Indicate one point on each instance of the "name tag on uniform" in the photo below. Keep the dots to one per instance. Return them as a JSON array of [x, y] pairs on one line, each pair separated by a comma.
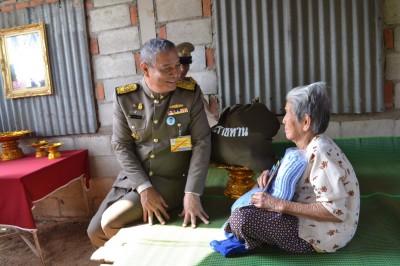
[[182, 143], [136, 114]]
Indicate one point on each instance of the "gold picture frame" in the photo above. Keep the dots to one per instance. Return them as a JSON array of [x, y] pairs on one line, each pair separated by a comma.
[[24, 61]]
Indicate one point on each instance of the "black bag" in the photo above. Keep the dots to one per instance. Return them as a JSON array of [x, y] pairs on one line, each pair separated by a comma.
[[243, 137]]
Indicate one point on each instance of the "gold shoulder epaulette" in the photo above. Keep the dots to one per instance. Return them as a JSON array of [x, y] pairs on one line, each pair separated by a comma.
[[187, 85], [127, 88]]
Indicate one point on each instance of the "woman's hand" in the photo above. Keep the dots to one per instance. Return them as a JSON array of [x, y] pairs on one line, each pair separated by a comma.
[[264, 200], [262, 180], [315, 211]]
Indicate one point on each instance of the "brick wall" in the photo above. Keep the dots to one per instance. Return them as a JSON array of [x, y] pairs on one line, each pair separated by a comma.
[[391, 34], [117, 30], [11, 5]]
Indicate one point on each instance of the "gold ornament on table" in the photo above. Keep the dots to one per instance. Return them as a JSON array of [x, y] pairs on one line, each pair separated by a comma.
[[11, 151], [53, 150], [240, 180], [38, 146]]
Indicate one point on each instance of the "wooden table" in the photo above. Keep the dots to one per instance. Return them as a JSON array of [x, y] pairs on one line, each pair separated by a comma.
[[30, 179]]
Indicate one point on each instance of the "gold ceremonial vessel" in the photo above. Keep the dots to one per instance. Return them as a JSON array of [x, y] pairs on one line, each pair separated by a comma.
[[53, 150], [240, 180], [38, 146], [11, 151]]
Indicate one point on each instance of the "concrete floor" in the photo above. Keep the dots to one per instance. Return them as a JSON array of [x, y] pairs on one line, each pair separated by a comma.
[[62, 243]]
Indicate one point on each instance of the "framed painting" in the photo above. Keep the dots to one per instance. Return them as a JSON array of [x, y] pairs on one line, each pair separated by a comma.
[[25, 61]]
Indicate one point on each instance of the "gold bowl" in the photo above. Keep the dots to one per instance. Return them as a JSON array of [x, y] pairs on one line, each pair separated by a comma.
[[241, 180], [53, 150], [38, 146], [11, 151]]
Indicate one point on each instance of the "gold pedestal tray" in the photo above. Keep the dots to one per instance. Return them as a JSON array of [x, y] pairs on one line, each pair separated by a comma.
[[38, 146], [53, 150], [11, 151], [240, 180]]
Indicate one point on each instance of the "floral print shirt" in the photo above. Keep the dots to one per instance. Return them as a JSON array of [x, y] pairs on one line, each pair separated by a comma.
[[329, 179]]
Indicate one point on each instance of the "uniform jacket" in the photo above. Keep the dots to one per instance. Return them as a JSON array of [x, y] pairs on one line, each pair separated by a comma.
[[141, 136]]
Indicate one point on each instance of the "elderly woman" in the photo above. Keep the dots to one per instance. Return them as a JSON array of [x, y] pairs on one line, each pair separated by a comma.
[[324, 213]]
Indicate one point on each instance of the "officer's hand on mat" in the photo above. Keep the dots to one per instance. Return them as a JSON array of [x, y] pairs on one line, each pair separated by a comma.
[[191, 209], [153, 203]]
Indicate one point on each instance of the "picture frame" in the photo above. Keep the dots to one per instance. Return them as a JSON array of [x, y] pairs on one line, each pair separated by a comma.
[[24, 61]]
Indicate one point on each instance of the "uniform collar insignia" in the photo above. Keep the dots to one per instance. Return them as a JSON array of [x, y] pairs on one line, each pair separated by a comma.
[[152, 94], [158, 96]]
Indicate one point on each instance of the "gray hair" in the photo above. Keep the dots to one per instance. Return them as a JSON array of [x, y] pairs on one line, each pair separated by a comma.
[[152, 48], [312, 100]]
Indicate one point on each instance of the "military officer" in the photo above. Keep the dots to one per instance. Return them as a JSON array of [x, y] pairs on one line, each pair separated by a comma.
[[161, 140], [211, 107], [185, 50]]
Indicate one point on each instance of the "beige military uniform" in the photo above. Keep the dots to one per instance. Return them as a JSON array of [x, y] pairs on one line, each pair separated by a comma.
[[144, 125]]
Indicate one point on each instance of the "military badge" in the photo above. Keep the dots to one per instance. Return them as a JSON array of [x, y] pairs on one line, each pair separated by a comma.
[[135, 135], [181, 143], [170, 120], [178, 111], [176, 106]]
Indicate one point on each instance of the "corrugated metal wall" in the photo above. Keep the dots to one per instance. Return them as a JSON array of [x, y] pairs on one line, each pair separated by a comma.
[[266, 47], [71, 110]]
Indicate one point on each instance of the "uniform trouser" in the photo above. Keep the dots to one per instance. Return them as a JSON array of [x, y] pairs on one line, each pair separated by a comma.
[[122, 207]]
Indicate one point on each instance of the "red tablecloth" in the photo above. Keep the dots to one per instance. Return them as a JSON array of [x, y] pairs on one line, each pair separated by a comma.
[[29, 179]]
